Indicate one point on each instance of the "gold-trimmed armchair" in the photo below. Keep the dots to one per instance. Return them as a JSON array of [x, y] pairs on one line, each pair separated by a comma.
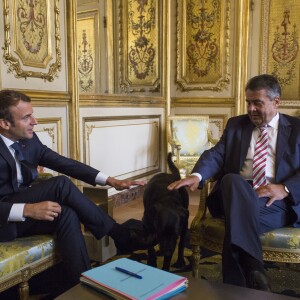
[[188, 137], [25, 257], [279, 245]]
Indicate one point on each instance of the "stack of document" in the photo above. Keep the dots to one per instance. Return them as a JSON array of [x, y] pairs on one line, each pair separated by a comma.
[[127, 279]]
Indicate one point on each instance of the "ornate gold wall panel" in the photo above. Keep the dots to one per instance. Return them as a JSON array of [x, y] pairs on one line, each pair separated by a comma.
[[140, 45], [32, 32], [27, 23], [203, 44], [86, 50], [280, 44]]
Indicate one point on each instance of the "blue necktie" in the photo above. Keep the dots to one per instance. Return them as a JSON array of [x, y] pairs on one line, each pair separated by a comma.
[[29, 172]]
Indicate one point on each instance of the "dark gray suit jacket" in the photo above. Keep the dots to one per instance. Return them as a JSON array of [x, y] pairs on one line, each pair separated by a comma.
[[39, 155], [230, 152]]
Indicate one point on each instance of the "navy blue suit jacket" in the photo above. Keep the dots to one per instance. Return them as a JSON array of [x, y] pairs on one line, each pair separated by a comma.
[[230, 152], [39, 155]]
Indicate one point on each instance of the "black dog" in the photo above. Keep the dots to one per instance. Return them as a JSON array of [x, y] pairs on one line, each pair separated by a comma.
[[166, 216]]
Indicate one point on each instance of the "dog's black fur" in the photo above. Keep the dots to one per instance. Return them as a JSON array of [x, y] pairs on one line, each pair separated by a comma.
[[166, 215]]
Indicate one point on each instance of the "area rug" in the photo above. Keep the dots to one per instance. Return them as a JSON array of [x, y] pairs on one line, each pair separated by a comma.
[[285, 278]]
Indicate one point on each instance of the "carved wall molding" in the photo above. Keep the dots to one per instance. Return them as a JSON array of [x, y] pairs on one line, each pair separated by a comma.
[[133, 142], [49, 131], [33, 43]]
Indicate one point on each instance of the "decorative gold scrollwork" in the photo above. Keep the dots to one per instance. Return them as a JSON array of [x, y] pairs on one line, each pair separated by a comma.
[[85, 65], [139, 47], [285, 49], [203, 31], [13, 63]]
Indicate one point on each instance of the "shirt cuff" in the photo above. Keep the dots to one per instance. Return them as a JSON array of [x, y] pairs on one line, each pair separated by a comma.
[[101, 178], [198, 175], [16, 213]]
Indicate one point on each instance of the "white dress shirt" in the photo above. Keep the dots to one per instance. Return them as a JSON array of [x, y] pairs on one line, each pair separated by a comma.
[[16, 212], [17, 209], [247, 170]]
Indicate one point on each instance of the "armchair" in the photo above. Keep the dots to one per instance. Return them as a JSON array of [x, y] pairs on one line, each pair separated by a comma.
[[26, 257], [279, 245], [188, 137]]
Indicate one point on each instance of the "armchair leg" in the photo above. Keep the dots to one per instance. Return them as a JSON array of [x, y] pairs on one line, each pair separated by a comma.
[[195, 260], [24, 290]]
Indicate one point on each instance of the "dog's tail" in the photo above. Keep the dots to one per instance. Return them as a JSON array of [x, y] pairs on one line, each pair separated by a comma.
[[174, 170]]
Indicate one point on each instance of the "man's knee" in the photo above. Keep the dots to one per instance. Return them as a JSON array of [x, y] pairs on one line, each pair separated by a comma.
[[63, 184], [230, 179], [68, 217], [62, 180]]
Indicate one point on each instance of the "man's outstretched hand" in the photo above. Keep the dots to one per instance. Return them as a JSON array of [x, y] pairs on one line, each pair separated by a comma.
[[191, 181], [123, 184]]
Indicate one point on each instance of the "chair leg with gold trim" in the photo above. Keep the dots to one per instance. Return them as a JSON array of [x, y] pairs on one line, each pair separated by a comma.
[[24, 290], [195, 260]]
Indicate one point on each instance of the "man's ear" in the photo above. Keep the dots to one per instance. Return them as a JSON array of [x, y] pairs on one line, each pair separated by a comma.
[[276, 101], [4, 124]]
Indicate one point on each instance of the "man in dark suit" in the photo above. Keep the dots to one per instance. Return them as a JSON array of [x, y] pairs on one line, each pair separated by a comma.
[[251, 210], [55, 205]]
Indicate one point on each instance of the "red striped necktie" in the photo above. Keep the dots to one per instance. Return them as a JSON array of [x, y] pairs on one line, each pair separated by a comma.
[[260, 158]]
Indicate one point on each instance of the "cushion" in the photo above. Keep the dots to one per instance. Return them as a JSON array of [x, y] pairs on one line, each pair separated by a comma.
[[23, 252], [283, 238]]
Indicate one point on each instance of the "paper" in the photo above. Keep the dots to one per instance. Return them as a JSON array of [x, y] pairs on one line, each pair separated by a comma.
[[155, 283]]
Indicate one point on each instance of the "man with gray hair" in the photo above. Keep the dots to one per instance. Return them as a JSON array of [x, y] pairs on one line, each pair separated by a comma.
[[257, 164]]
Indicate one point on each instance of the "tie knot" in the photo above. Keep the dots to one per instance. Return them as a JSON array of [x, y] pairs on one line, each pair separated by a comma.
[[16, 146], [263, 129]]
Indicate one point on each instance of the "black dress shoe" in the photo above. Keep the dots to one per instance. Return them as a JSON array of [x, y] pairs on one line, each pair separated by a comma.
[[258, 280], [131, 239], [141, 239]]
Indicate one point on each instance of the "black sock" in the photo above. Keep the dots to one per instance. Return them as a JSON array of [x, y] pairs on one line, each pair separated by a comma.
[[119, 234]]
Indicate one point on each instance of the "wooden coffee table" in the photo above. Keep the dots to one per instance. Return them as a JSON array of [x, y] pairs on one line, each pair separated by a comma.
[[198, 289]]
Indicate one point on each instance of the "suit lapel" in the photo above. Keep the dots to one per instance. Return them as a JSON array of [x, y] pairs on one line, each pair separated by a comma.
[[284, 131], [6, 155], [245, 142]]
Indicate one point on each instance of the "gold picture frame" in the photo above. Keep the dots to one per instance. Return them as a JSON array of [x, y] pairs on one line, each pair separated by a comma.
[[32, 45]]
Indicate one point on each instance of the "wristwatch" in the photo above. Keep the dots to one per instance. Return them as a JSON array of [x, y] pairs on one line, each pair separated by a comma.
[[286, 189]]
